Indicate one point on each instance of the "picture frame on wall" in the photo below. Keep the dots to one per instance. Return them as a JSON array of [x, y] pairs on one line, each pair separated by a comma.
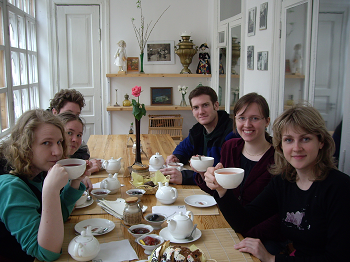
[[161, 96], [132, 64], [263, 60], [263, 16], [251, 21], [250, 57], [159, 53]]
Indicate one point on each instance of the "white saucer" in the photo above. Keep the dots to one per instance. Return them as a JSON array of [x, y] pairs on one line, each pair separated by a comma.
[[167, 236], [96, 225], [200, 201], [86, 204]]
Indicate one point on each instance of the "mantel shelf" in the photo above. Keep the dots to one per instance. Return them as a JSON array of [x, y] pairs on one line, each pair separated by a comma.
[[154, 108], [157, 75]]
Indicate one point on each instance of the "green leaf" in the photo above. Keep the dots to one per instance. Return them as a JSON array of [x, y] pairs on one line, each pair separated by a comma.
[[138, 110]]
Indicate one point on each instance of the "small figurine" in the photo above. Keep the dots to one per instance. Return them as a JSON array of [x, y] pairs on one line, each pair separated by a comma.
[[120, 56], [297, 60], [204, 63]]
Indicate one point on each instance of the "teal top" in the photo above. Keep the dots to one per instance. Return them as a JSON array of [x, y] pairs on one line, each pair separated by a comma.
[[18, 211]]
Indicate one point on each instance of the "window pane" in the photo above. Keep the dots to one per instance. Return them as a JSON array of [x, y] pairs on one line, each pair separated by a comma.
[[17, 104], [34, 97], [20, 4], [32, 66], [12, 2], [25, 100], [2, 69], [15, 69], [23, 69], [21, 32], [31, 36], [4, 112], [13, 29], [2, 29]]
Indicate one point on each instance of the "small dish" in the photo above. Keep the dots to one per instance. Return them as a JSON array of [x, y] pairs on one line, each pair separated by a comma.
[[150, 248], [100, 193], [136, 192], [140, 226], [157, 223], [165, 233], [96, 225], [200, 201], [85, 204]]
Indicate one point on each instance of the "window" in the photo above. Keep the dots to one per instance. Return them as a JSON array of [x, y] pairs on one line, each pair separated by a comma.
[[18, 61]]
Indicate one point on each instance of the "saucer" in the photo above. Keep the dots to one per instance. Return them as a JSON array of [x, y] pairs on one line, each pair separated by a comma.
[[96, 225], [167, 236], [86, 204], [200, 201]]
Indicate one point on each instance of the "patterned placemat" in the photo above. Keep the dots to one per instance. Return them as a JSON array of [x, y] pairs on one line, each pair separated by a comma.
[[183, 193]]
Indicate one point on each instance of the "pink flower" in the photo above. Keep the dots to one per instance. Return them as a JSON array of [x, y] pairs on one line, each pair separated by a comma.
[[136, 91]]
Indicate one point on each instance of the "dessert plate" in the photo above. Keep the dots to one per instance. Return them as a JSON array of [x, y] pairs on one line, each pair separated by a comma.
[[200, 201], [86, 204], [96, 224], [164, 233]]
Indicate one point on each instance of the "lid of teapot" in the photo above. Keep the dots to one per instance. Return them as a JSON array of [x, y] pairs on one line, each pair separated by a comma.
[[180, 216]]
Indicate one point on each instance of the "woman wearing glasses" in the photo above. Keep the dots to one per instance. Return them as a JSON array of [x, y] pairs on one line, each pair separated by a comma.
[[254, 153]]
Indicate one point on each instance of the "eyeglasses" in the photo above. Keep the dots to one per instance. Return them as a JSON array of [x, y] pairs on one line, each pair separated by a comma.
[[253, 119]]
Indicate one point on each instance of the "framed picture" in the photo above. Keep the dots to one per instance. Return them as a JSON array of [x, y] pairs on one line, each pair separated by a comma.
[[263, 16], [161, 96], [263, 60], [132, 64], [250, 57], [251, 21], [159, 53]]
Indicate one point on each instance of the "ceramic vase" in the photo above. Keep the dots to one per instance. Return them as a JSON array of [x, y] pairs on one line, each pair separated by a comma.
[[138, 141]]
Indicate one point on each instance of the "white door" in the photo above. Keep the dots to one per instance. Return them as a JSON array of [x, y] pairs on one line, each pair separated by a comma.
[[328, 69], [79, 63]]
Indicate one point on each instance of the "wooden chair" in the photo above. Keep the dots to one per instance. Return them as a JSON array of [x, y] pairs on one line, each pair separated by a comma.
[[166, 124]]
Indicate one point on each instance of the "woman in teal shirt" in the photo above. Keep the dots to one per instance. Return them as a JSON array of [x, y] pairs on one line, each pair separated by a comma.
[[32, 212]]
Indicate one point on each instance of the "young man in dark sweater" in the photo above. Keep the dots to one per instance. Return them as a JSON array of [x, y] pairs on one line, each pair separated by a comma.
[[206, 137]]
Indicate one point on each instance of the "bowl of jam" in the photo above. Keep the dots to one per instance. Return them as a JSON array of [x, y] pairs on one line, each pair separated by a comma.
[[155, 220], [140, 230]]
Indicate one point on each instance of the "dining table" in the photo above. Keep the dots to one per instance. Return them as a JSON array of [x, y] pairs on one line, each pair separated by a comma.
[[217, 238]]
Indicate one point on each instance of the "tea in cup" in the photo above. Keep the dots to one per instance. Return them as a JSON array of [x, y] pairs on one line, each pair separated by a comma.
[[229, 178], [75, 167]]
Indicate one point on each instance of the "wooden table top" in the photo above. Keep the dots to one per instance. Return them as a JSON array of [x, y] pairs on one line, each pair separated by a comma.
[[107, 146]]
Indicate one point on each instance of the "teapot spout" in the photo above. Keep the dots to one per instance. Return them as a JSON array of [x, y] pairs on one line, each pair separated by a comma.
[[120, 158], [160, 184]]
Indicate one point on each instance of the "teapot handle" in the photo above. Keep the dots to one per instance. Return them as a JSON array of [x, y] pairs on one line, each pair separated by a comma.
[[189, 214], [78, 249], [175, 191]]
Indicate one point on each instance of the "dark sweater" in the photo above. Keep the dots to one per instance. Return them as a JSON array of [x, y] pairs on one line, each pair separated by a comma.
[[316, 220]]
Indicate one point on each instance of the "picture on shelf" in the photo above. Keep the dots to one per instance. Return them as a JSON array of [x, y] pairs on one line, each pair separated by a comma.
[[161, 96], [251, 21], [263, 61], [250, 57], [132, 64], [263, 16], [160, 52]]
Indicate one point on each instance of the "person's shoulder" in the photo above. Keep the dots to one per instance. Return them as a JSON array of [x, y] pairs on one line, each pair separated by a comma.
[[8, 180], [336, 176], [232, 142]]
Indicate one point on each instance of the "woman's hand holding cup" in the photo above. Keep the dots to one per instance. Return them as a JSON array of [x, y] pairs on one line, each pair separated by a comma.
[[209, 178]]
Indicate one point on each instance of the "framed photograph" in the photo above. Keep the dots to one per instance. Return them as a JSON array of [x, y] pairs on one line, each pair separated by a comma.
[[250, 57], [251, 21], [159, 53], [161, 96], [132, 64], [263, 16], [263, 60]]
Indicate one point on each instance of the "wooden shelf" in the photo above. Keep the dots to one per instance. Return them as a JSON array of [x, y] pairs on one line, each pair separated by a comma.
[[154, 108], [157, 75], [294, 76]]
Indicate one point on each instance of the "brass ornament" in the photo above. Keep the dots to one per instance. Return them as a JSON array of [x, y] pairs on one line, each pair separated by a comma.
[[185, 49]]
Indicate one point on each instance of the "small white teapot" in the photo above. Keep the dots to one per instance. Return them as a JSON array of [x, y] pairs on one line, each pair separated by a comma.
[[157, 161], [111, 183], [112, 165], [166, 194], [181, 225], [84, 247]]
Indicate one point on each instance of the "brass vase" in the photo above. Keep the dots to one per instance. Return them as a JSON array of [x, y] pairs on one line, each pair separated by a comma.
[[236, 52], [185, 49]]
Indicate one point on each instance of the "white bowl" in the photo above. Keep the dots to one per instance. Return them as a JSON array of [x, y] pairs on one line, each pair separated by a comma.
[[82, 199], [178, 166], [150, 248], [75, 167], [203, 164], [100, 193], [150, 230], [229, 177], [136, 192], [155, 224]]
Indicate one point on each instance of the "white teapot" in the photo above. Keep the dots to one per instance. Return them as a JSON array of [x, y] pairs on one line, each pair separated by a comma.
[[181, 225], [157, 161], [84, 247], [111, 183], [166, 194], [112, 165]]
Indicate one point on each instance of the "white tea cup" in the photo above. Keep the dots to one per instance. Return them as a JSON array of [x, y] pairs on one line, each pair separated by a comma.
[[229, 178]]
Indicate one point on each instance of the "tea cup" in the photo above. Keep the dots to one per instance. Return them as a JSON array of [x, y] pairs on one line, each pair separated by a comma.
[[178, 166], [229, 178], [201, 164], [75, 167]]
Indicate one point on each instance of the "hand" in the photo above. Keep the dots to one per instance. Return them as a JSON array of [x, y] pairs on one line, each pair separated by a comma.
[[96, 165], [172, 159], [56, 178], [87, 182], [256, 248], [75, 183], [175, 175], [209, 178]]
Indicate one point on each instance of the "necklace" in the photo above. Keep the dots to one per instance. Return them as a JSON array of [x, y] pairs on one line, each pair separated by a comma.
[[257, 154]]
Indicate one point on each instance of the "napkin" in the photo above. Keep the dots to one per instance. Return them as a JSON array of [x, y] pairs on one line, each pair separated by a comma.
[[116, 251], [116, 208], [168, 210]]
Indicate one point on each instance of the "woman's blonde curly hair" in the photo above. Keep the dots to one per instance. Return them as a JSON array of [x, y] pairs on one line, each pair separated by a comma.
[[17, 148]]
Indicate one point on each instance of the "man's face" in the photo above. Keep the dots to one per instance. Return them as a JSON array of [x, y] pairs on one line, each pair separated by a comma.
[[69, 106], [203, 109]]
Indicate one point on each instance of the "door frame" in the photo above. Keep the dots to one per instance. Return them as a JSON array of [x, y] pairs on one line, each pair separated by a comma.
[[104, 44]]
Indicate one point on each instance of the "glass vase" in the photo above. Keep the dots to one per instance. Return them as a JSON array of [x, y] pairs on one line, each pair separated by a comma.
[[183, 101], [138, 142]]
